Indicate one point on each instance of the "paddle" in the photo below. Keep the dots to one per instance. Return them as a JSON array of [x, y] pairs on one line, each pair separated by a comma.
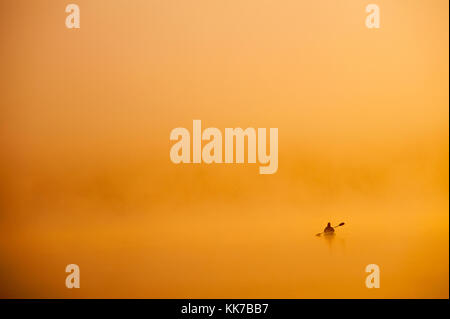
[[341, 224]]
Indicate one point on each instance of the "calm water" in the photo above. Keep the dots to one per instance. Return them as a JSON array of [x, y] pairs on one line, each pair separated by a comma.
[[268, 253]]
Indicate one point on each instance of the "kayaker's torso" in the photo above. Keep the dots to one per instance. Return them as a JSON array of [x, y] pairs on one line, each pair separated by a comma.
[[328, 229]]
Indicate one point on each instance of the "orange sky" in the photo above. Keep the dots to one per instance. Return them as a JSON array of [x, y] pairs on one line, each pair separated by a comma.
[[86, 178]]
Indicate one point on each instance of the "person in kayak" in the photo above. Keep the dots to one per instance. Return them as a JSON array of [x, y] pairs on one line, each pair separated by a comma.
[[328, 229]]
